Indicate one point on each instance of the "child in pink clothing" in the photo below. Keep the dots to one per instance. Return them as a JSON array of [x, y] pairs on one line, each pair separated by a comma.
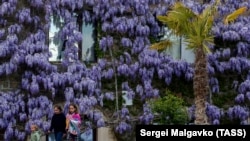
[[76, 117], [73, 121]]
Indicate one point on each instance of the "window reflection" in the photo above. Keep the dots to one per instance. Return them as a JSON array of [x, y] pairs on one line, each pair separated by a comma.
[[87, 43], [178, 49], [186, 54], [57, 46]]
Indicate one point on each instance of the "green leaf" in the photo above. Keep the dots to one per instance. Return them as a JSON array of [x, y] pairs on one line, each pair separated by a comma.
[[162, 45]]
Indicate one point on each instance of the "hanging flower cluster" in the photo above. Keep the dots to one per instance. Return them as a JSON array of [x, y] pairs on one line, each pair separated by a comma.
[[124, 123], [230, 56], [15, 110], [126, 26], [214, 113]]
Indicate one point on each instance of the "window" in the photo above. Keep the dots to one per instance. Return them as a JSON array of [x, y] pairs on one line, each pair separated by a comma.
[[186, 54], [88, 43], [178, 50], [56, 46], [127, 101]]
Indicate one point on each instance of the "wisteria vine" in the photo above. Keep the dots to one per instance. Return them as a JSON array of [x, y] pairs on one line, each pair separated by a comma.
[[126, 26]]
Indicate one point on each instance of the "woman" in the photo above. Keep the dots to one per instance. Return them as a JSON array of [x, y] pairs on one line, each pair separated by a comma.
[[58, 123]]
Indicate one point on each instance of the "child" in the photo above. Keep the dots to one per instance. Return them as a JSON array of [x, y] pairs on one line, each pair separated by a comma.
[[58, 123], [35, 134], [73, 121]]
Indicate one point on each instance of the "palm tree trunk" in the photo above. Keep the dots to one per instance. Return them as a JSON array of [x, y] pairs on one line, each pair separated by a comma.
[[201, 87]]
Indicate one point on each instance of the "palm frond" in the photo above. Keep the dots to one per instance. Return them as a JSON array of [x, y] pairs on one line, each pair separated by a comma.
[[178, 18], [163, 19], [193, 42], [199, 32], [234, 15], [206, 48], [207, 17], [196, 29], [210, 10], [162, 45]]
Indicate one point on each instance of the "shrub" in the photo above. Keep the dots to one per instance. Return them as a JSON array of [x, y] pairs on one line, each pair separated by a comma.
[[169, 109]]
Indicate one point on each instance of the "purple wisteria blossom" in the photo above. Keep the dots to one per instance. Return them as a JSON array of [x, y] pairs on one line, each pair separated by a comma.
[[122, 127], [214, 113], [147, 116], [238, 112], [126, 30]]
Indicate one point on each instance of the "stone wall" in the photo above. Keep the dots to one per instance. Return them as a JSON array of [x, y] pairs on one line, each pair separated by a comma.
[[9, 82], [105, 134]]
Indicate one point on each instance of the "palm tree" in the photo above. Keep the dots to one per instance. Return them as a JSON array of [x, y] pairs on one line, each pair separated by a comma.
[[196, 30]]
